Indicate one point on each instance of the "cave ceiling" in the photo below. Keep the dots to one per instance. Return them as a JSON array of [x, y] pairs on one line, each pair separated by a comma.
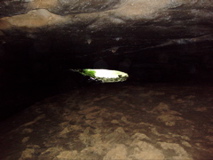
[[98, 28]]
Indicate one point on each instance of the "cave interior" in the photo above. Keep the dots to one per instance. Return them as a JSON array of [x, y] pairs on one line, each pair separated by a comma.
[[166, 48]]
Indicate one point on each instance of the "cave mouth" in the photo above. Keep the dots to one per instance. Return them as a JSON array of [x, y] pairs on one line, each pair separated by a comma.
[[103, 75]]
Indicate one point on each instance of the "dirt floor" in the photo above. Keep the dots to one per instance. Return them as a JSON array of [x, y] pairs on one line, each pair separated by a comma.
[[114, 122]]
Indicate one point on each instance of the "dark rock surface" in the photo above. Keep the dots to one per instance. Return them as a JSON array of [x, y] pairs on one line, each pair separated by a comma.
[[114, 121], [62, 30]]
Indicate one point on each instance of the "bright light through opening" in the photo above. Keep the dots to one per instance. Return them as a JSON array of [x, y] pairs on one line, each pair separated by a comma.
[[107, 73], [104, 75]]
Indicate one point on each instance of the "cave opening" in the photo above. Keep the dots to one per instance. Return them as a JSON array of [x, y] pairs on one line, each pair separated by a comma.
[[103, 75]]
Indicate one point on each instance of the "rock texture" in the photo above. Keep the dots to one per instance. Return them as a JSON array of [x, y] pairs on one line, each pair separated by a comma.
[[108, 122], [102, 28], [100, 25], [78, 33]]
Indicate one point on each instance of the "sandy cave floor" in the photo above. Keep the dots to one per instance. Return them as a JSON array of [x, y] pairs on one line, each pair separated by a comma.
[[114, 122]]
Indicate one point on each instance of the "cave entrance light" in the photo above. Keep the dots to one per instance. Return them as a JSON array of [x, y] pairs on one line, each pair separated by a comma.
[[103, 75]]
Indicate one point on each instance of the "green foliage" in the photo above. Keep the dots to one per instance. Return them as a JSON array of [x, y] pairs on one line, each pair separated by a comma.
[[88, 72]]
